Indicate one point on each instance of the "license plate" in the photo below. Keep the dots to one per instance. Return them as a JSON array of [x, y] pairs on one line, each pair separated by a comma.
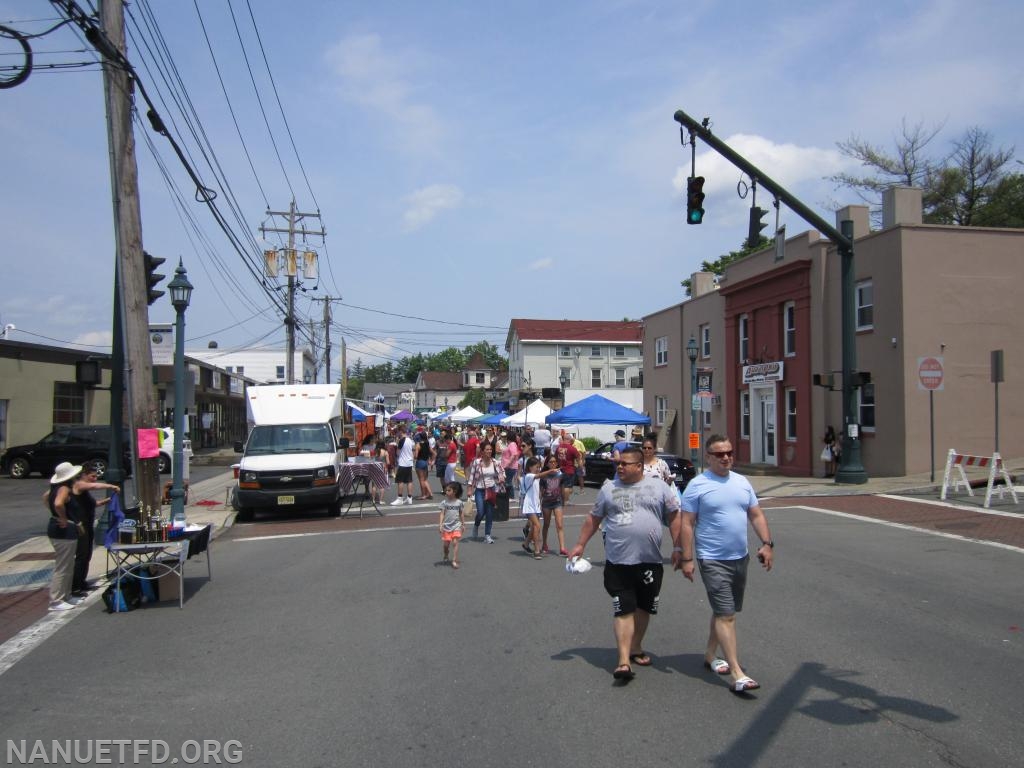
[[285, 500]]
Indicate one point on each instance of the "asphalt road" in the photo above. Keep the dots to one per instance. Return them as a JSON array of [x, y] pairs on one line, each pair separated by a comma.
[[22, 514], [874, 645]]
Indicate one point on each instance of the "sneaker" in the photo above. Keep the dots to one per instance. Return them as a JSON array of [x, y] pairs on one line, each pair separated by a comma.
[[60, 605], [397, 502], [545, 550], [526, 532], [74, 600], [488, 540], [408, 499]]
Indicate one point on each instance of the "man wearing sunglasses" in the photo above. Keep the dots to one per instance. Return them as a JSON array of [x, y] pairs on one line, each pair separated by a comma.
[[717, 505], [634, 510]]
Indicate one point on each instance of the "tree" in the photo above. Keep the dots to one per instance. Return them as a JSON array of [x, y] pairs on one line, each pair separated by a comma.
[[717, 267], [956, 188], [356, 370], [492, 357], [475, 398], [450, 359]]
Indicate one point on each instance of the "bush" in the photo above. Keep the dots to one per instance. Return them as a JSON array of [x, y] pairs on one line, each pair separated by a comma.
[[590, 443]]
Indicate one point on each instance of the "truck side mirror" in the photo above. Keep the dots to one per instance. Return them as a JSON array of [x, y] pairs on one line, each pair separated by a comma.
[[239, 446], [343, 443]]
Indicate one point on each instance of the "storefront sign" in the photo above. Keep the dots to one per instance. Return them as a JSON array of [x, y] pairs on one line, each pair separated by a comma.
[[761, 372]]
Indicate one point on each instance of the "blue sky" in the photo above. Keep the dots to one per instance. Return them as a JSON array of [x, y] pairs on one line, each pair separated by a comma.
[[474, 162]]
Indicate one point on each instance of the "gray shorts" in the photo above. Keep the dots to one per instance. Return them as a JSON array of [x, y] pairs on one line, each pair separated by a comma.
[[725, 582]]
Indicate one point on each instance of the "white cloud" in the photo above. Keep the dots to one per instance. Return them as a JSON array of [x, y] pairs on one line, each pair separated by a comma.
[[539, 264], [380, 80], [787, 164], [426, 203]]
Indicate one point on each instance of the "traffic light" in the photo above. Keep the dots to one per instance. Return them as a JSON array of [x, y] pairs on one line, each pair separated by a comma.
[[756, 225], [694, 200], [153, 277]]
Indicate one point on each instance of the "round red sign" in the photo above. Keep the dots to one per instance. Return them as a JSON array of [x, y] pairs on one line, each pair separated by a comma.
[[929, 373]]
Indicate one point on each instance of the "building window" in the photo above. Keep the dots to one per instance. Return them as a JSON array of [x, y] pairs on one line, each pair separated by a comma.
[[280, 371], [68, 404], [240, 370], [789, 328], [480, 378], [866, 407], [865, 306], [595, 378], [620, 377], [564, 351], [661, 350], [620, 351], [791, 413], [595, 351], [660, 407], [705, 341], [744, 338], [745, 415], [706, 419]]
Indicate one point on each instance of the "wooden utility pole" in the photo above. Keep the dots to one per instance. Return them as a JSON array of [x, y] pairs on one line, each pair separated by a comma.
[[131, 270], [327, 338], [293, 218]]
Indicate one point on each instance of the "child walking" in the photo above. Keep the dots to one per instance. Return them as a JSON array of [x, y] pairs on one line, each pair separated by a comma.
[[531, 504], [450, 523]]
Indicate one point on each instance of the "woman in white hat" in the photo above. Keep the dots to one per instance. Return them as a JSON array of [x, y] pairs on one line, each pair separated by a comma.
[[63, 530]]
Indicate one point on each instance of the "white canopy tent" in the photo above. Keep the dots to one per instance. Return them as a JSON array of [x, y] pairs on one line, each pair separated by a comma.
[[465, 414], [533, 414]]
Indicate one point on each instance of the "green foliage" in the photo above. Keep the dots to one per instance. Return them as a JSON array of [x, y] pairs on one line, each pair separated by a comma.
[[717, 267], [590, 443], [969, 186], [475, 398]]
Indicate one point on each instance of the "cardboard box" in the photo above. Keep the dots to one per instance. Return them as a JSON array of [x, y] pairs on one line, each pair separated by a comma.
[[167, 587]]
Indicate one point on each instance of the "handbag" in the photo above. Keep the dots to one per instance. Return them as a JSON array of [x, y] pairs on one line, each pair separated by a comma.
[[491, 495]]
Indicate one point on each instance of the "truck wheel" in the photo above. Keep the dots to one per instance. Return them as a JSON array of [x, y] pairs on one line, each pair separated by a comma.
[[19, 469], [245, 515], [100, 465], [334, 510]]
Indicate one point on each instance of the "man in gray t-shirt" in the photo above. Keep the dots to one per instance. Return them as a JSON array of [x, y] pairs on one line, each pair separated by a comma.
[[634, 510]]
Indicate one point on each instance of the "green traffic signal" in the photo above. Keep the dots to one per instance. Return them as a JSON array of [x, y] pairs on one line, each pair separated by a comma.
[[694, 199], [153, 277], [756, 225]]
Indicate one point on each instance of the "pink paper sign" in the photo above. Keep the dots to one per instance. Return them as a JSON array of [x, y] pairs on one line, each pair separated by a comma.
[[149, 443]]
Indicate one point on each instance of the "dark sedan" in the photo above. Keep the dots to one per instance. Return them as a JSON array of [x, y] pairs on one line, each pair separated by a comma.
[[600, 467]]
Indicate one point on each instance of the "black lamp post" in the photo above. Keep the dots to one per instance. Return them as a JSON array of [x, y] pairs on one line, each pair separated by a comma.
[[181, 293], [691, 354], [563, 379]]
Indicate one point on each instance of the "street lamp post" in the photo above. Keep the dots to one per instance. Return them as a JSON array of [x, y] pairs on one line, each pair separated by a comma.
[[564, 381], [181, 293], [691, 354]]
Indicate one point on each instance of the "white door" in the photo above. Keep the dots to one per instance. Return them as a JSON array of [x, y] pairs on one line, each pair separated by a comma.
[[762, 437]]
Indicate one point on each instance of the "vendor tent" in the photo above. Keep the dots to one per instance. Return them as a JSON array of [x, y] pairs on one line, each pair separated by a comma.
[[533, 414], [597, 410], [464, 414], [402, 416], [493, 418], [358, 414]]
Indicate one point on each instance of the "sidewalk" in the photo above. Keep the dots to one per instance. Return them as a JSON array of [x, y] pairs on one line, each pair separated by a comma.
[[25, 568]]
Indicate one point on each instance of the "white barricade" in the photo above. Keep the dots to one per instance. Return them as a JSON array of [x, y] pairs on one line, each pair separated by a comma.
[[998, 478]]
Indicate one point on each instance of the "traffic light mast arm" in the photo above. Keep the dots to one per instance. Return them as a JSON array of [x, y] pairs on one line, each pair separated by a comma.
[[751, 170], [851, 470]]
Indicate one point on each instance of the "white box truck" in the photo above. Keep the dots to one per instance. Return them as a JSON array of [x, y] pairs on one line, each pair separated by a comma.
[[292, 455]]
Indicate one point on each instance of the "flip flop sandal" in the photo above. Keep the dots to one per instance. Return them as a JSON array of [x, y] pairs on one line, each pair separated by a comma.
[[744, 684], [641, 659], [623, 672], [718, 666]]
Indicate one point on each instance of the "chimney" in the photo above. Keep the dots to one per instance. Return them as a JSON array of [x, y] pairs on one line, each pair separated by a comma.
[[701, 283], [859, 215], [901, 205]]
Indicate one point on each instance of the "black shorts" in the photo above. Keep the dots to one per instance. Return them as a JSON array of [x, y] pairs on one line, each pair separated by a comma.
[[403, 475], [633, 586]]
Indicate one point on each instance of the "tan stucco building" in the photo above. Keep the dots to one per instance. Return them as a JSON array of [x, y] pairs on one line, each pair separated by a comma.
[[771, 323]]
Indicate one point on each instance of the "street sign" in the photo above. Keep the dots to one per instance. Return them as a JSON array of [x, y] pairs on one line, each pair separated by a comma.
[[929, 374], [695, 441]]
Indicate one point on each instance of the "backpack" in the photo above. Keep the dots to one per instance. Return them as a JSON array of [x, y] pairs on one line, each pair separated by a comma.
[[131, 595]]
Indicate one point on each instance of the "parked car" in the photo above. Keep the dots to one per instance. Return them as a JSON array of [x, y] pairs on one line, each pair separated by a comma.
[[79, 445], [75, 444], [600, 467]]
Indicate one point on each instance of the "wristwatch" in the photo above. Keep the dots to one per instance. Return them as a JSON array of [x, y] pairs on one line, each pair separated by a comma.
[[769, 544]]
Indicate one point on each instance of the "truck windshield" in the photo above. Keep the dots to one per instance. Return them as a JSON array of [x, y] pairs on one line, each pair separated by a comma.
[[290, 438]]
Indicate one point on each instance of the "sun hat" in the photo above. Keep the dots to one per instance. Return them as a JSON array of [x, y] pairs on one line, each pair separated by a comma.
[[64, 472]]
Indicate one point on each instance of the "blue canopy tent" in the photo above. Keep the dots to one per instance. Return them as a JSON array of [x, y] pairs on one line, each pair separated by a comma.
[[403, 416], [596, 410]]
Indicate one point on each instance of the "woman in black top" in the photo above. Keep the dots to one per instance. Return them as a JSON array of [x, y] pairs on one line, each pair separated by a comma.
[[424, 460]]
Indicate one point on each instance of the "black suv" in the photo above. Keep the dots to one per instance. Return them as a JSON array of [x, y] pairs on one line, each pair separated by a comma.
[[75, 444], [600, 467]]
